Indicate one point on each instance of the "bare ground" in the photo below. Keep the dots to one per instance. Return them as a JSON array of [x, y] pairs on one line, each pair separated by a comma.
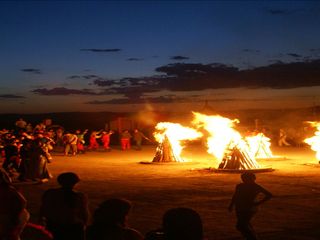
[[293, 213]]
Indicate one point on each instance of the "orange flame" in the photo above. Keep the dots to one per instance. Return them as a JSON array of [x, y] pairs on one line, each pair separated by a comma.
[[259, 145], [314, 141], [176, 134], [223, 137]]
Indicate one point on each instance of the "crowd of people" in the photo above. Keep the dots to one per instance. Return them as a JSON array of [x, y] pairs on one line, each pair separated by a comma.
[[27, 150], [64, 214]]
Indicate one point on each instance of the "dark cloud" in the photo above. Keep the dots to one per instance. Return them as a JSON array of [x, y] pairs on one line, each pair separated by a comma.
[[103, 83], [31, 70], [295, 55], [197, 77], [101, 50], [179, 58], [247, 50], [10, 96], [134, 59], [61, 91], [159, 99], [278, 11]]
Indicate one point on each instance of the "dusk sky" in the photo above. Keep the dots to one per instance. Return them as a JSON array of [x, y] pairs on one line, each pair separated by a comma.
[[63, 56]]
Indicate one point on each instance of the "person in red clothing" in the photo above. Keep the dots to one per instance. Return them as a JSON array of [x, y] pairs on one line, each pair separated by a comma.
[[13, 213], [106, 140], [125, 140], [93, 144]]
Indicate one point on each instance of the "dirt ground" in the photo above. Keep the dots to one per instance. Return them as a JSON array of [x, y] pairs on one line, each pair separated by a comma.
[[293, 213]]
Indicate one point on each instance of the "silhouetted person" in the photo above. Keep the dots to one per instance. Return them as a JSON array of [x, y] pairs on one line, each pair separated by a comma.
[[64, 210], [13, 213], [245, 201], [109, 222], [179, 224]]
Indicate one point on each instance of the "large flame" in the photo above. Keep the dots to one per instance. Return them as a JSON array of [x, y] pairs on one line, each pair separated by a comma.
[[176, 135], [259, 146], [314, 141], [223, 138], [222, 135]]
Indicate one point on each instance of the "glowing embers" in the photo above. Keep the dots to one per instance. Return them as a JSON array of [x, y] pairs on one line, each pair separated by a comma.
[[225, 143], [171, 137], [314, 141]]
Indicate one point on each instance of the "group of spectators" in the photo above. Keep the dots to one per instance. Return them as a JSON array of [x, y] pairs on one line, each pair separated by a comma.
[[64, 214]]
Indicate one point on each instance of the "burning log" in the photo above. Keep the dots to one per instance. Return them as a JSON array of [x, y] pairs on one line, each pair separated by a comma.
[[237, 159], [165, 153], [171, 137]]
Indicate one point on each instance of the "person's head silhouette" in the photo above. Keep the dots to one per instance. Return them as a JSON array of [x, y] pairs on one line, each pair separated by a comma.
[[182, 224]]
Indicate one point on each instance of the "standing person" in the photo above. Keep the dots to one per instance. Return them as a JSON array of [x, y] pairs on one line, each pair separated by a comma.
[[110, 222], [106, 139], [13, 213], [64, 210], [138, 137], [125, 140], [245, 201], [70, 143], [38, 169]]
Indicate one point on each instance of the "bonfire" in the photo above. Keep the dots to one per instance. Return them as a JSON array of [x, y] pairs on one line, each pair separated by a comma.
[[314, 141], [171, 137], [226, 143]]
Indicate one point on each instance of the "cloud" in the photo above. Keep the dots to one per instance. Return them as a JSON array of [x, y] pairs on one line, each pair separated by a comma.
[[134, 59], [179, 58], [295, 55], [197, 77], [101, 50], [159, 99], [247, 50], [278, 11], [61, 91], [31, 70], [188, 77], [10, 96]]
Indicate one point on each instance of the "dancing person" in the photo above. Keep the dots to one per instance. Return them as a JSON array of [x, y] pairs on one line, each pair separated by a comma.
[[65, 211], [138, 137], [106, 139], [109, 222], [125, 140], [283, 138], [245, 201], [93, 144], [70, 143]]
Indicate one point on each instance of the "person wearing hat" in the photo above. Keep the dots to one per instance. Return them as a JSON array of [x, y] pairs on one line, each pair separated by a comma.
[[65, 211], [13, 213]]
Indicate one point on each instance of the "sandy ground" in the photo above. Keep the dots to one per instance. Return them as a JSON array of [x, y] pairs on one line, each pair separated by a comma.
[[293, 213]]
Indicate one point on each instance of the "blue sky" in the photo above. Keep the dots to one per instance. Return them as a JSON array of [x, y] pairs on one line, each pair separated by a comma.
[[78, 55]]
